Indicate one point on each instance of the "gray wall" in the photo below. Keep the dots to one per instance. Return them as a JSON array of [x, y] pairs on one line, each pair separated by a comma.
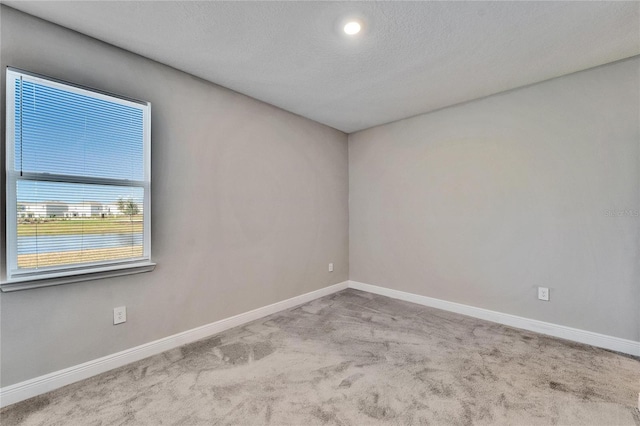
[[249, 207], [482, 202]]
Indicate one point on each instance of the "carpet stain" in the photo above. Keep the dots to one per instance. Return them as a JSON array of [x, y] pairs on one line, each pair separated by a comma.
[[243, 353], [558, 386]]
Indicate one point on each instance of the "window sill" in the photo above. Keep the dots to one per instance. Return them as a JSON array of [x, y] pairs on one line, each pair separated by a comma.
[[29, 283]]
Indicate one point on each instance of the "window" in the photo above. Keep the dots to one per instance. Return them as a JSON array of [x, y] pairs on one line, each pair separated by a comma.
[[78, 181]]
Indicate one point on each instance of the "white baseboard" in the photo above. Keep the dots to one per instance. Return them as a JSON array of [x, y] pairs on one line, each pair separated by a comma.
[[48, 382], [39, 385], [582, 336]]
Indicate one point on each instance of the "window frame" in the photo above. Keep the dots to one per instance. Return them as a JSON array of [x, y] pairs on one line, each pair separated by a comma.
[[53, 275]]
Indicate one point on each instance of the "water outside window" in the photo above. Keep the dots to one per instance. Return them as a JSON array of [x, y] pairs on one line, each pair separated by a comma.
[[67, 223]]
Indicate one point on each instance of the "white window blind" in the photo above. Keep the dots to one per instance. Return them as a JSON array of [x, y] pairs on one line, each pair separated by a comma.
[[78, 179]]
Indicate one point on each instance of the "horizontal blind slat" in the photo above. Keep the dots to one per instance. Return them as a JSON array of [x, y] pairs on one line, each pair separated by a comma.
[[73, 134]]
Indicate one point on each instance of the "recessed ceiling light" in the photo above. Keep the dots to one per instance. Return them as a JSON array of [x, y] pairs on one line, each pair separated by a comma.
[[352, 27]]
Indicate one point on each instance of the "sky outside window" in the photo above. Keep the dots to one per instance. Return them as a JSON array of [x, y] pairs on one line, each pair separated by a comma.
[[72, 134]]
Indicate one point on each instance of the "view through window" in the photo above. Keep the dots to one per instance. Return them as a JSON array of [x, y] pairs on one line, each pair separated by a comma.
[[78, 179]]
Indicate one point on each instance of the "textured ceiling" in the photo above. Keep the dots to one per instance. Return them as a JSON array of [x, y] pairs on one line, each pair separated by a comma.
[[411, 58]]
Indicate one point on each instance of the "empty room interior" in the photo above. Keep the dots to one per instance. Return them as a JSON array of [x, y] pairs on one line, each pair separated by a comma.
[[320, 213]]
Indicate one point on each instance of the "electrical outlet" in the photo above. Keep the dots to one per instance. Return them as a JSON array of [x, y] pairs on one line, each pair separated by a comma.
[[331, 267], [543, 293], [119, 315]]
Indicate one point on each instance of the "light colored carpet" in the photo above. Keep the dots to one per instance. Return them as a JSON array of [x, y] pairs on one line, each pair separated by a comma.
[[354, 358]]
